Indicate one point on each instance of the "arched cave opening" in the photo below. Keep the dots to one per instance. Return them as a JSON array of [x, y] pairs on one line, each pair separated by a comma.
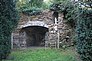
[[35, 35]]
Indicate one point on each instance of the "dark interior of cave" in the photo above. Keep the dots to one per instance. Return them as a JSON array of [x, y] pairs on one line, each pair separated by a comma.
[[35, 35]]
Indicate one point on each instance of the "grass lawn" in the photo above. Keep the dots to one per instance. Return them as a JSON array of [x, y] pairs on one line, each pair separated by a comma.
[[43, 55]]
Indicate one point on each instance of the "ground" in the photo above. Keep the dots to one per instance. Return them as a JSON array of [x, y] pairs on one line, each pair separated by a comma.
[[41, 54]]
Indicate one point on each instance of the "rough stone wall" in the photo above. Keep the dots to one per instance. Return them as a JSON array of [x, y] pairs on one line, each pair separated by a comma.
[[64, 29]]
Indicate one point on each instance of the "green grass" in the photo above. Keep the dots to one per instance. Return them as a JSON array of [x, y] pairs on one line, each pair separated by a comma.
[[43, 55]]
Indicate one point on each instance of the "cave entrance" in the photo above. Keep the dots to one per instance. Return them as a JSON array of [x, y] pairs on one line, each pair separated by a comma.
[[33, 34]]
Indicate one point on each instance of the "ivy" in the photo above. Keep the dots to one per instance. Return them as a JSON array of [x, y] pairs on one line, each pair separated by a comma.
[[84, 34], [8, 21]]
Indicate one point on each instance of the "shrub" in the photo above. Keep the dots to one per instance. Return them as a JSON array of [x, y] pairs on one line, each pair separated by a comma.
[[8, 21], [84, 34], [29, 4], [32, 11]]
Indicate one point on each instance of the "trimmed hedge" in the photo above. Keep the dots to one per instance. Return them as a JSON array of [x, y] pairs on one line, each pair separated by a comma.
[[84, 34], [8, 21]]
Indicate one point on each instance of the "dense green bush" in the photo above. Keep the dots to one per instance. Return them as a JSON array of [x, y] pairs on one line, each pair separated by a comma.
[[84, 34], [32, 11], [8, 21]]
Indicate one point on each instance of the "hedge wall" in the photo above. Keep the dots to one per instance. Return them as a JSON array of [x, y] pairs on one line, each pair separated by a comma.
[[8, 21], [84, 34]]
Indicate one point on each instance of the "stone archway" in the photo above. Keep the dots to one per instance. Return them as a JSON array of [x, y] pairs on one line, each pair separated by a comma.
[[33, 33]]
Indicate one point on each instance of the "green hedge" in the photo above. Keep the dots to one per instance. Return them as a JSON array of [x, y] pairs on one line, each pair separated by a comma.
[[8, 21], [84, 34]]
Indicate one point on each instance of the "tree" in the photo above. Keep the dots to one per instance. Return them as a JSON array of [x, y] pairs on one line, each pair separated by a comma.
[[8, 21]]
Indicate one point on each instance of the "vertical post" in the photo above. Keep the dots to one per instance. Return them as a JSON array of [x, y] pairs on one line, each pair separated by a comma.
[[24, 39], [11, 40], [46, 39], [55, 20], [55, 27], [58, 40]]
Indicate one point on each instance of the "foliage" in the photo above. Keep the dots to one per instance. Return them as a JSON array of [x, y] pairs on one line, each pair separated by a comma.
[[84, 34], [44, 55], [69, 10], [36, 3], [28, 4], [30, 7], [32, 11], [46, 5], [83, 17], [55, 7], [87, 3], [80, 13], [56, 1], [8, 21]]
